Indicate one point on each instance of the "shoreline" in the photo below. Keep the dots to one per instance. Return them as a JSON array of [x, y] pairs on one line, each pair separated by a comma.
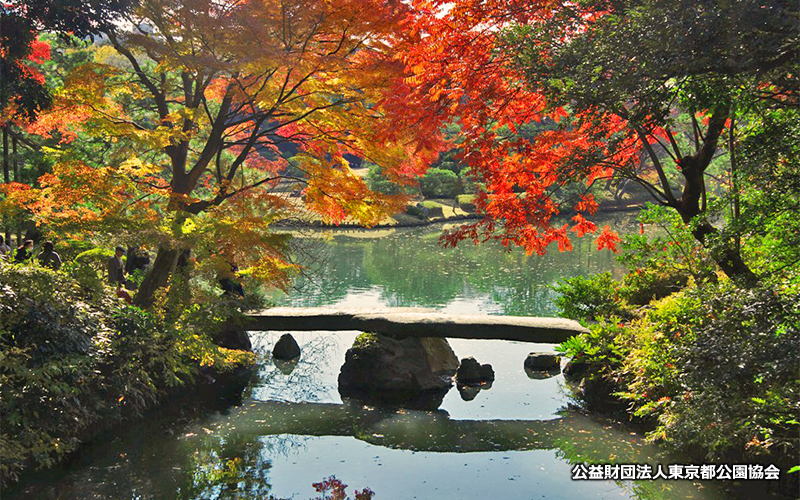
[[319, 225]]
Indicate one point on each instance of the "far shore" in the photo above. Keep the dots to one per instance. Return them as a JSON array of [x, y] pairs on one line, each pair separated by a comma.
[[407, 221]]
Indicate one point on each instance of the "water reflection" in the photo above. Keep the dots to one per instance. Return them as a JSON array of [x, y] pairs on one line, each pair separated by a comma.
[[300, 379], [541, 374], [409, 268]]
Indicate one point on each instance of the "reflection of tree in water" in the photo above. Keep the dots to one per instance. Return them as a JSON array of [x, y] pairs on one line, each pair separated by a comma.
[[330, 269], [414, 270], [609, 444], [233, 468], [305, 381], [286, 444]]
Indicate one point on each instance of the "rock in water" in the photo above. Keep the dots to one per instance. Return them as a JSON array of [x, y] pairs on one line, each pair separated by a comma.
[[542, 361], [411, 372], [286, 348], [470, 372]]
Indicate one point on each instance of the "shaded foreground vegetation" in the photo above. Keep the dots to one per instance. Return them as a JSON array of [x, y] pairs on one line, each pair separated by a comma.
[[709, 366], [76, 360]]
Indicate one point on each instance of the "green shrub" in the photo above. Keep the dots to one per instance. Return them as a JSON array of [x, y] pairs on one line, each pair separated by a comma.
[[95, 258], [417, 211], [468, 184], [432, 208], [662, 262], [740, 377], [602, 350], [589, 298], [466, 202], [426, 209], [465, 198], [377, 181], [651, 370], [439, 183], [643, 285], [713, 368]]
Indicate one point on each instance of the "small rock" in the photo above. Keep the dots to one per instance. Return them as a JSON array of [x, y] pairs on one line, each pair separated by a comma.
[[470, 372], [286, 348], [542, 361]]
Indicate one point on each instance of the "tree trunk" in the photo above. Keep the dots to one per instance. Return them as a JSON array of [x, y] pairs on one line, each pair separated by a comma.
[[6, 178], [167, 258], [15, 162], [158, 276], [692, 202], [728, 258]]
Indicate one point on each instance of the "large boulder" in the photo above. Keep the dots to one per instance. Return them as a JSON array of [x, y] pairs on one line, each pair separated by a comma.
[[542, 361], [232, 338], [470, 372], [411, 372], [286, 348]]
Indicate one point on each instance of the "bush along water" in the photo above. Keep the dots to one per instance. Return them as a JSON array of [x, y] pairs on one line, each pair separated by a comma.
[[75, 360], [709, 366]]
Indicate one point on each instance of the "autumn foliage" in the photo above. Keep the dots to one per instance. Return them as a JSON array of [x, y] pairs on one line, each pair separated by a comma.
[[204, 115], [618, 92], [460, 72], [211, 109]]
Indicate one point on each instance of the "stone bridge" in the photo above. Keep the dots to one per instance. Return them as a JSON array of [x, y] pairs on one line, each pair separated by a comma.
[[416, 322]]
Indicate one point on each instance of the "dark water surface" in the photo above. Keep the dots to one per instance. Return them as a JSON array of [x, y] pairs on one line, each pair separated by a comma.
[[516, 440]]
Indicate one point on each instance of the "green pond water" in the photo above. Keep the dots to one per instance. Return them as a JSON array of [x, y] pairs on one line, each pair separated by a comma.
[[518, 439]]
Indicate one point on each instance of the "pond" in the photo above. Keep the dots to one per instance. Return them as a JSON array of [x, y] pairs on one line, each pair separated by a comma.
[[518, 439]]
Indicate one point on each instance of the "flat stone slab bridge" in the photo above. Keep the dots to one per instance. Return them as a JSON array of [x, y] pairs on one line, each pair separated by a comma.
[[417, 322]]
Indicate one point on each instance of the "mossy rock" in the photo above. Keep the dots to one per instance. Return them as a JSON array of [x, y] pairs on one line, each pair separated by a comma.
[[366, 340], [410, 372]]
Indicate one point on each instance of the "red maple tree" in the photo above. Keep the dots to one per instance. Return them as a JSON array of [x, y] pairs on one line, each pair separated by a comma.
[[494, 67]]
